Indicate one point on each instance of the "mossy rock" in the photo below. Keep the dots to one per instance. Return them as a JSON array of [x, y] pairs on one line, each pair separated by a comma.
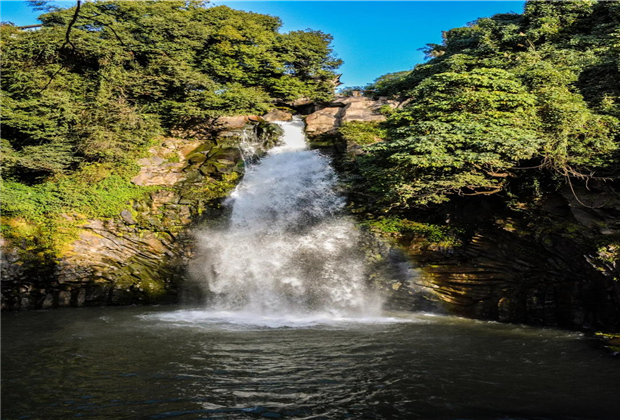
[[321, 144], [194, 176], [205, 147], [154, 222], [207, 169], [224, 166], [196, 158], [228, 153]]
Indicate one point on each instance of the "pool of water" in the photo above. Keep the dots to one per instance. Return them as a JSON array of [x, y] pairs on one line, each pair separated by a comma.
[[175, 363]]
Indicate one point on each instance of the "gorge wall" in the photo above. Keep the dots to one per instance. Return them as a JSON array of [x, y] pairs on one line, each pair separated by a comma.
[[546, 267]]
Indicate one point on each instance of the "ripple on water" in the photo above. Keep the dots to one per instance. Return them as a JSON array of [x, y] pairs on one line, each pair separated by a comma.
[[184, 363]]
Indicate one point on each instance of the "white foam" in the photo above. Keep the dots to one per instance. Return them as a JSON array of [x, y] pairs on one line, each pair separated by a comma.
[[246, 319]]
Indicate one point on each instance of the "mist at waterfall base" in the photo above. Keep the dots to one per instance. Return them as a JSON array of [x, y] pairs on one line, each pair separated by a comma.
[[287, 254], [292, 331]]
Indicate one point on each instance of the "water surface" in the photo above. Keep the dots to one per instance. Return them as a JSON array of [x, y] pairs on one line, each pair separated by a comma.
[[175, 363]]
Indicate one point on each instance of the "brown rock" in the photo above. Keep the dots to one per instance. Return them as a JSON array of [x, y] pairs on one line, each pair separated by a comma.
[[238, 121], [278, 115], [345, 110], [164, 197], [362, 109], [323, 121], [301, 102]]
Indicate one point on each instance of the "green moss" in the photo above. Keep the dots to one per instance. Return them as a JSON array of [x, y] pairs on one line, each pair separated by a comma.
[[607, 336], [399, 227], [98, 191], [609, 252], [46, 216], [151, 288], [41, 242], [212, 189], [611, 341]]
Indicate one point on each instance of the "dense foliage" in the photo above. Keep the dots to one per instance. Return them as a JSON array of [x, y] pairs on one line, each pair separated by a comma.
[[85, 95], [362, 132], [129, 69], [508, 101]]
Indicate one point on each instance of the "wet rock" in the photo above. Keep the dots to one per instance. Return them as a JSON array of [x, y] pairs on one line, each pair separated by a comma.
[[79, 297], [513, 275], [48, 301], [391, 272], [64, 298], [194, 176], [207, 169], [25, 303]]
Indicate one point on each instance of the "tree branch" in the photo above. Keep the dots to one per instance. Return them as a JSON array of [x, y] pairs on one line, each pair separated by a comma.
[[73, 20], [67, 42], [490, 192]]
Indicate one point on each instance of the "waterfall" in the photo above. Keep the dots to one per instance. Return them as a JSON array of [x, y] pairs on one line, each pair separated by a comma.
[[287, 248]]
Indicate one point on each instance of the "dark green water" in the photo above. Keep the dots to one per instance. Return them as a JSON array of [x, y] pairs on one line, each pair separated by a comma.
[[164, 363]]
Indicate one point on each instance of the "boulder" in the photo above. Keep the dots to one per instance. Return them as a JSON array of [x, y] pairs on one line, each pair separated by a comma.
[[127, 217], [363, 109], [278, 115], [323, 121], [237, 121]]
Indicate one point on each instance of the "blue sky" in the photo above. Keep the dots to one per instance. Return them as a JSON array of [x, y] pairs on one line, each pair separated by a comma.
[[372, 37]]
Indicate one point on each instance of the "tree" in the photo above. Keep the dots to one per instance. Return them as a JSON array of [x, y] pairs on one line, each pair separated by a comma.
[[462, 134], [538, 90], [99, 79]]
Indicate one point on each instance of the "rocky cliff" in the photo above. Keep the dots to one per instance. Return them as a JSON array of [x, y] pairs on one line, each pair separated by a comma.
[[140, 255], [327, 119], [547, 265], [550, 261]]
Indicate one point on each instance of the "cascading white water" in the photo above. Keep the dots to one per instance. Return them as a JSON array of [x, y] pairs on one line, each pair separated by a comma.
[[287, 250]]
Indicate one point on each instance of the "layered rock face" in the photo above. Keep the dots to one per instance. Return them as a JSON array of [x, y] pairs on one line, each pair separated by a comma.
[[140, 255], [550, 269]]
